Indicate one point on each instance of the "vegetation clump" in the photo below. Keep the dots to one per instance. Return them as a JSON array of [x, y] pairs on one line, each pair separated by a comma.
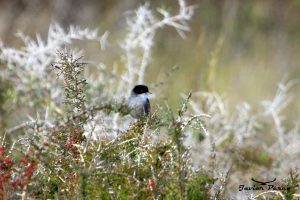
[[72, 137]]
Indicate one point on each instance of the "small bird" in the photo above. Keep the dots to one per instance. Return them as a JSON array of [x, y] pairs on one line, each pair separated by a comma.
[[138, 102]]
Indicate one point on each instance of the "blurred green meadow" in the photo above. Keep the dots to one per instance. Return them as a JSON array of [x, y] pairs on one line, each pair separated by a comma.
[[241, 49]]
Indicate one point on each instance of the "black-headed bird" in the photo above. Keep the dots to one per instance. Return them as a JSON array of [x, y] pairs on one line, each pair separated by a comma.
[[138, 102]]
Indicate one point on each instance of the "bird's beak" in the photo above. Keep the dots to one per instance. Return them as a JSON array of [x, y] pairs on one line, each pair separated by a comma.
[[150, 95]]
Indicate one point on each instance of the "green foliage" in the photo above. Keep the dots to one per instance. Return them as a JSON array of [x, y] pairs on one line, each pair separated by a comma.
[[198, 187], [292, 185], [149, 158], [256, 156], [5, 96], [131, 166]]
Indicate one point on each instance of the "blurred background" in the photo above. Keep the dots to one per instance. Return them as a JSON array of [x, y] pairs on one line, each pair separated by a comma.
[[240, 49]]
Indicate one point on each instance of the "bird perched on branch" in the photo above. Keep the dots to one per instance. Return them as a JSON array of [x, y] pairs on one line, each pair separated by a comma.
[[138, 102]]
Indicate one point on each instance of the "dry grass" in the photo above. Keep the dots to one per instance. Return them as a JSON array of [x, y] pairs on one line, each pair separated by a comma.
[[66, 132]]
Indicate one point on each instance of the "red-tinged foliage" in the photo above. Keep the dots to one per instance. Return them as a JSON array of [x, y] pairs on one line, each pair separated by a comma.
[[70, 142], [28, 167], [1, 150], [6, 165], [151, 185], [23, 172]]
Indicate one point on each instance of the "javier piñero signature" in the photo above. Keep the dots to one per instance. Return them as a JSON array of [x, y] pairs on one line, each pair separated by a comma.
[[260, 185]]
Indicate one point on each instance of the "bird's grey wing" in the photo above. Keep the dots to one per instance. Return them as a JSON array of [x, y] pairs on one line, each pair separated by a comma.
[[147, 107]]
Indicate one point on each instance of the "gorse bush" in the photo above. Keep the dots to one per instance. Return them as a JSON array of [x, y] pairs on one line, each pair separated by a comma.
[[83, 144]]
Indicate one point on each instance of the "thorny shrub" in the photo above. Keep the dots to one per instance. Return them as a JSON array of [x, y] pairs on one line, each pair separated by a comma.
[[82, 144], [22, 171]]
